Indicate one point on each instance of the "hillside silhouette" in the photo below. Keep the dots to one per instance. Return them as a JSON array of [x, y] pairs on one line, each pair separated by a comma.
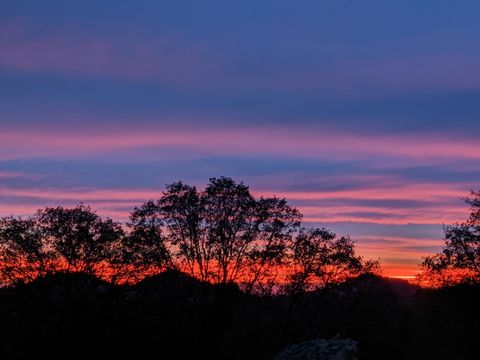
[[175, 316]]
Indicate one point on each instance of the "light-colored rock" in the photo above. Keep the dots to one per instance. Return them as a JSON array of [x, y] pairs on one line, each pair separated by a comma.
[[321, 349]]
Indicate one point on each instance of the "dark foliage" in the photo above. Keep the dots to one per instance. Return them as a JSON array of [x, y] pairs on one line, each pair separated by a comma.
[[220, 234], [58, 240], [175, 316], [60, 315], [459, 260]]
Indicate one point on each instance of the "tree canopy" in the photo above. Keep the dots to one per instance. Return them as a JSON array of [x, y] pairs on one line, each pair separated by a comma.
[[459, 259], [58, 239], [319, 258], [220, 234]]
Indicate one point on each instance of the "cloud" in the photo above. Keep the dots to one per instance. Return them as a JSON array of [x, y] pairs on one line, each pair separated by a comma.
[[268, 140], [162, 58], [211, 63]]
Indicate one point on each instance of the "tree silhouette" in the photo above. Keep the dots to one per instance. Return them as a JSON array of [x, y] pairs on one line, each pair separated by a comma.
[[319, 258], [23, 255], [460, 257], [145, 250], [58, 239], [181, 207], [221, 234]]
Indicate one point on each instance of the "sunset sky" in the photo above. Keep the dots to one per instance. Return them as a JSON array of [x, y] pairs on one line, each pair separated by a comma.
[[364, 114]]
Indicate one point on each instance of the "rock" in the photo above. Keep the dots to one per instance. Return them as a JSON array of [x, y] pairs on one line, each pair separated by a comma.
[[321, 349]]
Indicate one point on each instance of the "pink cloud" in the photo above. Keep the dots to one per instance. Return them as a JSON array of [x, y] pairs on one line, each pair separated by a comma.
[[424, 191], [112, 203], [307, 143], [318, 213]]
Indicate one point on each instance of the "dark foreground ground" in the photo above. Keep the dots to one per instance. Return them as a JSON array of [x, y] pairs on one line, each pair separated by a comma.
[[172, 316]]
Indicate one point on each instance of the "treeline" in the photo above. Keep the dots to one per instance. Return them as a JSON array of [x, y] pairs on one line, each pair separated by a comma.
[[221, 234]]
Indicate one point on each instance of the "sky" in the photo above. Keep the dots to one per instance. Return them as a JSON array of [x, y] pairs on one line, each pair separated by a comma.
[[363, 114]]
